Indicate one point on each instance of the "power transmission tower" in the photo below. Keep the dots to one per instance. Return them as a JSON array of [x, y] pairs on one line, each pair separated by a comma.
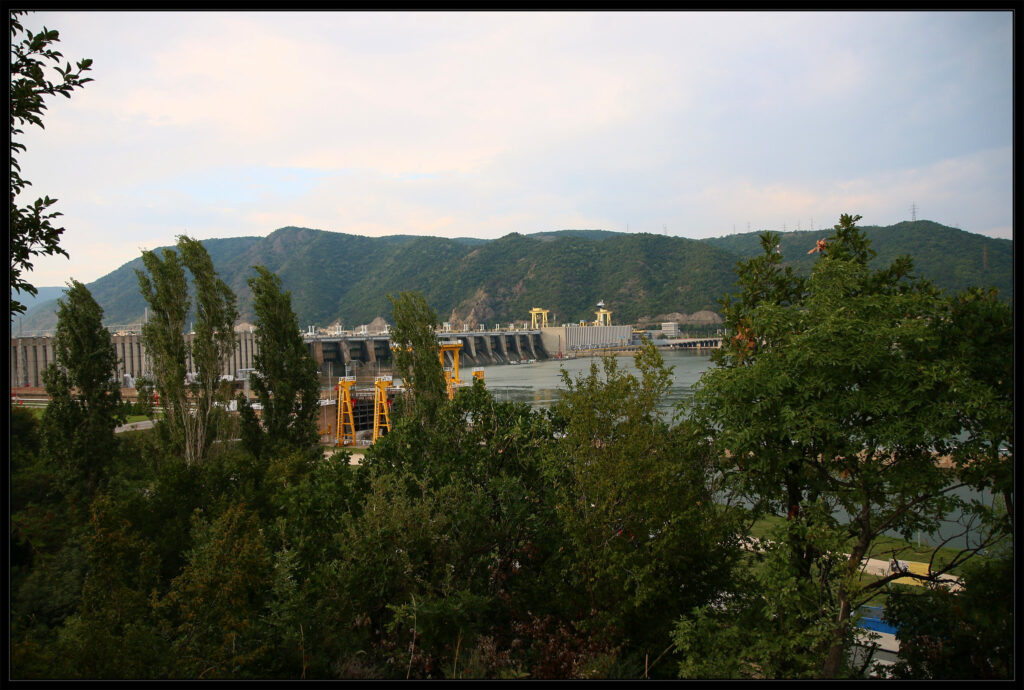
[[913, 212]]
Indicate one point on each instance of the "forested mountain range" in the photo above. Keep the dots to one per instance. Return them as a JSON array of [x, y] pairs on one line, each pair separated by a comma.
[[335, 277], [952, 258]]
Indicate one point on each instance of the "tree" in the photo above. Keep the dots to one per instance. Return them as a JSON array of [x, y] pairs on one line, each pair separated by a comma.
[[32, 232], [212, 609], [642, 537], [143, 397], [966, 635], [455, 528], [49, 496], [285, 380], [113, 634], [978, 331], [829, 406], [85, 396], [416, 352], [189, 406]]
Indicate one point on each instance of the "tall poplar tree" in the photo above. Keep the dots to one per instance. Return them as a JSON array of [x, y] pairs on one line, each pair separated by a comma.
[[285, 380], [85, 396], [188, 405], [416, 352]]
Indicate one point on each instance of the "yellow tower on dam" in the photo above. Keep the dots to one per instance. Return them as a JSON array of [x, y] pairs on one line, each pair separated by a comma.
[[381, 412], [451, 374], [538, 312], [346, 420], [604, 317]]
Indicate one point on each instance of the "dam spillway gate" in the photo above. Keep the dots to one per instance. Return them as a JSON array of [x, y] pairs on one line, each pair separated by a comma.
[[334, 354]]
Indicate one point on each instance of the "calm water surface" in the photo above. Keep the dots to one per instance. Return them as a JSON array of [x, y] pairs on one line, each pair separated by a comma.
[[540, 383]]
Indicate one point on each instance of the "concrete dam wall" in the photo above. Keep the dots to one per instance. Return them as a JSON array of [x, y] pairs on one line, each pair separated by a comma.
[[334, 353]]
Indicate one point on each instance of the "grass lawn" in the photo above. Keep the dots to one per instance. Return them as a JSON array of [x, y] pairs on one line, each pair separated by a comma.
[[881, 548], [38, 412]]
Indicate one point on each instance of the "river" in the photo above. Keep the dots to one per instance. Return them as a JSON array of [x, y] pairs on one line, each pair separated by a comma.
[[540, 383]]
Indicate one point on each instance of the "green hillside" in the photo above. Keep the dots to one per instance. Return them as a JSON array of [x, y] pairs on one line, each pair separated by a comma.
[[335, 276], [118, 291], [952, 258], [636, 275], [43, 294]]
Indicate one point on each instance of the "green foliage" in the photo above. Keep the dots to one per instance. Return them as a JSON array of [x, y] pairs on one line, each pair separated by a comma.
[[113, 633], [600, 539], [48, 567], [417, 358], [967, 635], [213, 342], [457, 513], [165, 289], [25, 443], [643, 539], [953, 259], [829, 405], [775, 621], [31, 231], [978, 332], [209, 612], [188, 407], [85, 399], [285, 380], [144, 400]]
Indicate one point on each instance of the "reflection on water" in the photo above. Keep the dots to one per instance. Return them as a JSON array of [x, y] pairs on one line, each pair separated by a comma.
[[540, 383]]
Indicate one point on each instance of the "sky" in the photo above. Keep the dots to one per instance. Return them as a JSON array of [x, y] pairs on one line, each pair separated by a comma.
[[479, 124]]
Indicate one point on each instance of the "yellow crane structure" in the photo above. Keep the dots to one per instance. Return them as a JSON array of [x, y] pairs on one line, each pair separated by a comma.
[[538, 312], [381, 412], [346, 420], [451, 374], [604, 317]]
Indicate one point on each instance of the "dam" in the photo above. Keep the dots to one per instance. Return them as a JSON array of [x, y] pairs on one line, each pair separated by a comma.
[[360, 353]]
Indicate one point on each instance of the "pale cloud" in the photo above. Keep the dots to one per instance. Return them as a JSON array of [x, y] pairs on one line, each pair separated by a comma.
[[225, 124], [937, 191], [320, 105]]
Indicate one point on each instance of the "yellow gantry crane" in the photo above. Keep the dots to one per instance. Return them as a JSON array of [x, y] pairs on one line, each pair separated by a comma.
[[381, 412], [346, 420], [451, 374], [542, 313], [604, 317]]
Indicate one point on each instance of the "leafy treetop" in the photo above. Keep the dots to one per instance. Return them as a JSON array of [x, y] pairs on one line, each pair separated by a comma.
[[32, 233]]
